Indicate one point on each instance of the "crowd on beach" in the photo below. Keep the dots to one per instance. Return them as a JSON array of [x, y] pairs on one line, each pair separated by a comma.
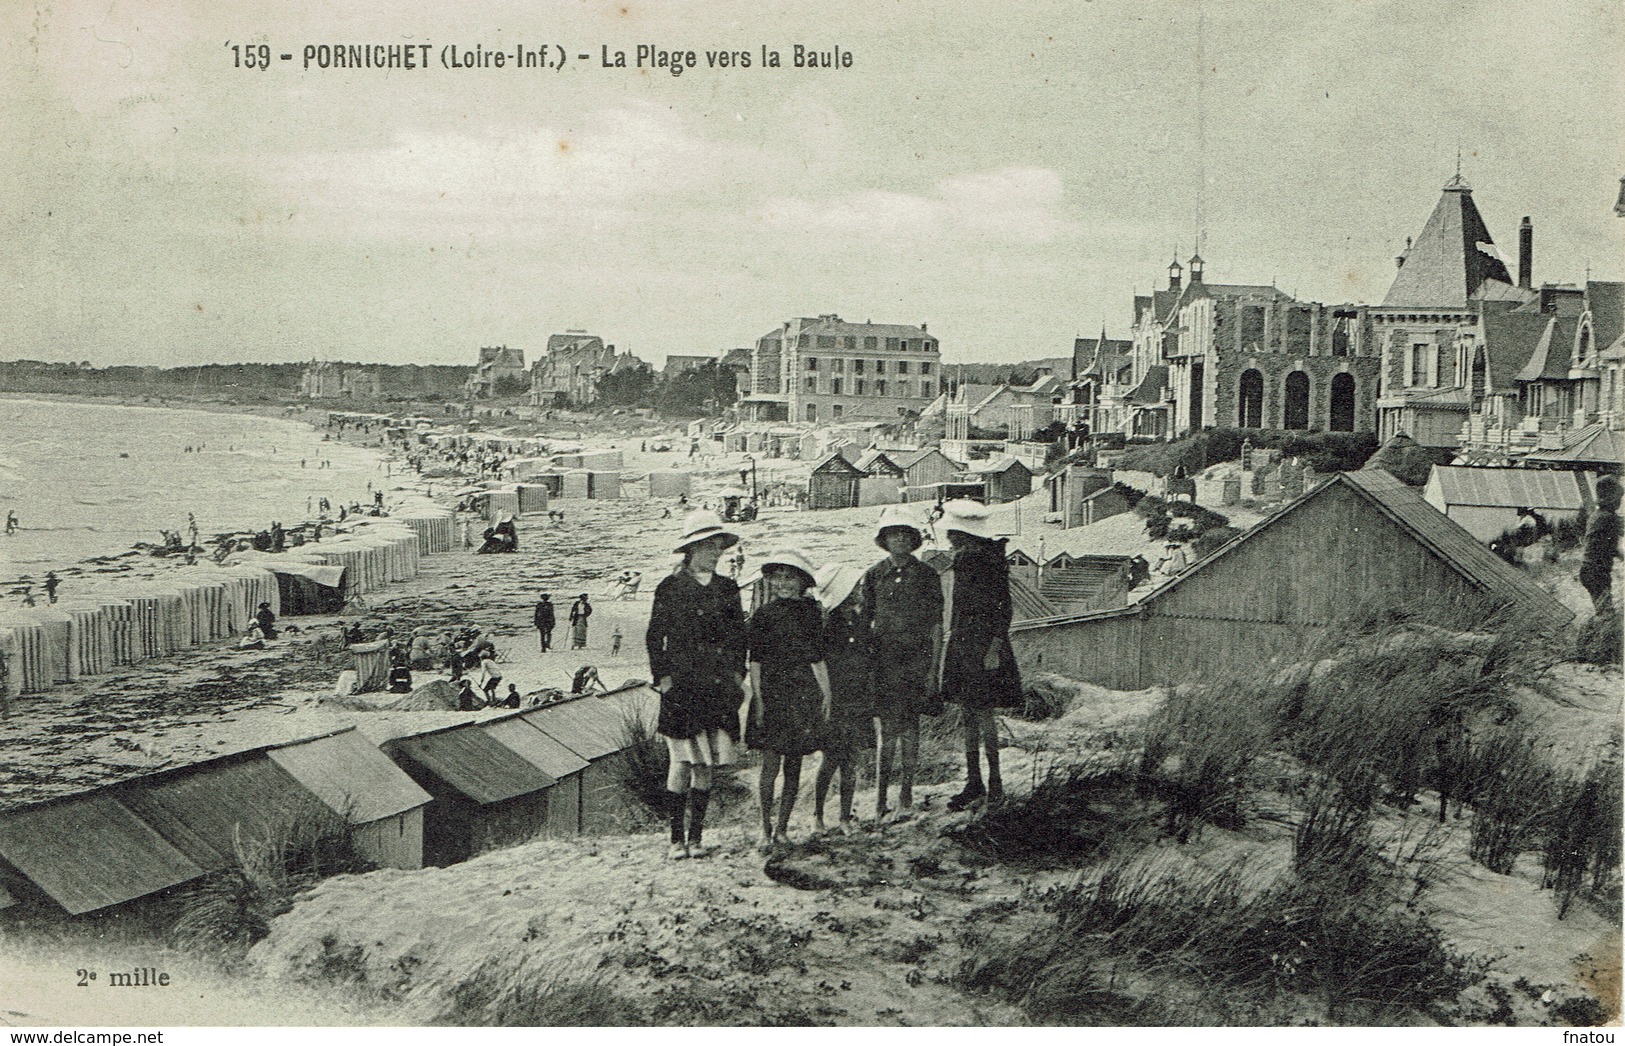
[[833, 660]]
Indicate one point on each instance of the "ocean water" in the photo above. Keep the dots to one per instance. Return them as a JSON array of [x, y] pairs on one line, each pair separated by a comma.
[[93, 479]]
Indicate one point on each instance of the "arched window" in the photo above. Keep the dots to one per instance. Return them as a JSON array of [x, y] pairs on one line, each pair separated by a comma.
[[1342, 407], [1250, 406], [1295, 413]]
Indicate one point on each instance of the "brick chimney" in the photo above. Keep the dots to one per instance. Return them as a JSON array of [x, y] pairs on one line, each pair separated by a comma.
[[1526, 253]]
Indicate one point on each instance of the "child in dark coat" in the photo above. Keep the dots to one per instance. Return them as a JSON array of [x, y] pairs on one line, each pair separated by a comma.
[[789, 683]]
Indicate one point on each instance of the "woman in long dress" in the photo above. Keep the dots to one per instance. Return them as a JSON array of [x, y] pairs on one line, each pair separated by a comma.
[[696, 645]]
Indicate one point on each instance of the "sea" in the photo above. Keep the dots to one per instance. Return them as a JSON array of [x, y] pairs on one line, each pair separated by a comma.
[[88, 480]]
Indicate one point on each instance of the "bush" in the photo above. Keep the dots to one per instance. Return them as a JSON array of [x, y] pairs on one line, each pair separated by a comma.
[[1213, 540], [507, 995], [1569, 531]]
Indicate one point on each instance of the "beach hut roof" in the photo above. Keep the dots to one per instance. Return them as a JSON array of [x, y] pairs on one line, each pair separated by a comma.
[[1508, 488], [472, 763], [540, 749], [351, 776], [596, 726], [205, 808], [113, 857]]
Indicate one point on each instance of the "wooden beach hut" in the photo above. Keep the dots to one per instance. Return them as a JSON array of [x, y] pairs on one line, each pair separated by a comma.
[[486, 794], [97, 849], [833, 483], [1486, 501], [1359, 539], [114, 856], [1006, 480], [598, 728]]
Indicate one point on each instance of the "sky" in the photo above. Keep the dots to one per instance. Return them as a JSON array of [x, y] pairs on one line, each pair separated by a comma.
[[1008, 174]]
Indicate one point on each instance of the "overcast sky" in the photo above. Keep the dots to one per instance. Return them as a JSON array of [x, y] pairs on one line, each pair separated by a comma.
[[1009, 178]]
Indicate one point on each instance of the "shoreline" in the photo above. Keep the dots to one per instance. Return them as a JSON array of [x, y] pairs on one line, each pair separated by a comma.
[[129, 559]]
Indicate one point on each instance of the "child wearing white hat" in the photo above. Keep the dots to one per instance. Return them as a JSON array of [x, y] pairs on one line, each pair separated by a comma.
[[790, 699], [696, 645]]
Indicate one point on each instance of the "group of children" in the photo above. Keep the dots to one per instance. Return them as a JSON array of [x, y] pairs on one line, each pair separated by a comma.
[[832, 661]]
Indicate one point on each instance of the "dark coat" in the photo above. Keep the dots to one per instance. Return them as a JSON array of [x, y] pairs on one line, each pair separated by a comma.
[[544, 616], [697, 637], [979, 618]]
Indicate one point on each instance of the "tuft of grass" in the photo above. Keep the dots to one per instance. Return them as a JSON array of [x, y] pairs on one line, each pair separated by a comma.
[[510, 995], [1044, 697], [1512, 794], [1197, 753], [1582, 838], [643, 762], [1322, 936], [276, 859], [1071, 814]]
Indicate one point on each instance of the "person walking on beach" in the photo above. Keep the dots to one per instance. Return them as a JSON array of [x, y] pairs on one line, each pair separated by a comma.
[[580, 611], [615, 642], [544, 619], [902, 605], [790, 699], [696, 647], [846, 658], [51, 583], [979, 667]]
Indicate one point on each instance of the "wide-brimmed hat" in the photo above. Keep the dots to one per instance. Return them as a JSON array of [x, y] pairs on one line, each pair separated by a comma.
[[789, 560], [897, 517], [703, 524], [835, 583], [967, 517]]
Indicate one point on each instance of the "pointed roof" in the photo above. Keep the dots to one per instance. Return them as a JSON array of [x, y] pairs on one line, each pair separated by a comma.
[[1550, 359], [1509, 340], [1150, 389], [1404, 506], [1452, 257]]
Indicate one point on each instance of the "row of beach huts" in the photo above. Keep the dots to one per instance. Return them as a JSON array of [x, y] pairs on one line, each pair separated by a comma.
[[397, 798], [101, 623]]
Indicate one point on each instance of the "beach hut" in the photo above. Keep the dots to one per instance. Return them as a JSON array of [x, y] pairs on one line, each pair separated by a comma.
[[669, 483], [604, 485], [1085, 582], [599, 728], [352, 778], [1005, 480], [327, 787], [148, 834], [486, 794], [926, 466], [564, 808], [532, 498], [1359, 539], [577, 484], [114, 857], [1486, 501], [602, 460], [833, 483]]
